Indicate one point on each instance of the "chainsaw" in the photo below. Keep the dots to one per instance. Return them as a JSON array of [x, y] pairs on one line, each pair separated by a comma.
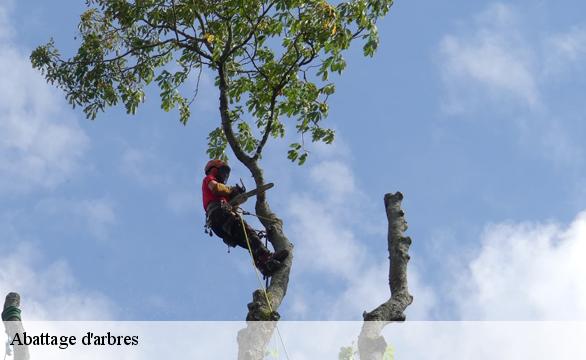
[[241, 198]]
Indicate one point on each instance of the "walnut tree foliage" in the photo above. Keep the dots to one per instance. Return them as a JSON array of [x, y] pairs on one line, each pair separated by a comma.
[[272, 61]]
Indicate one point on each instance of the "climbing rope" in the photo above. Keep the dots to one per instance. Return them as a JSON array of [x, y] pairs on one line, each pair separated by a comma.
[[261, 234], [244, 212], [266, 277], [264, 290]]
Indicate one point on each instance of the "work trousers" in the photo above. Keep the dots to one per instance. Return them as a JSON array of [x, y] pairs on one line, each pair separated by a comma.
[[228, 225]]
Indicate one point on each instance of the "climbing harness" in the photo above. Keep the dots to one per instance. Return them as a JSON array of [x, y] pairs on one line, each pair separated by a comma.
[[264, 289], [244, 212], [226, 227]]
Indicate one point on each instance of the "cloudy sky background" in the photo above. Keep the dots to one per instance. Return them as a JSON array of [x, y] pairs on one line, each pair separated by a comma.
[[473, 110]]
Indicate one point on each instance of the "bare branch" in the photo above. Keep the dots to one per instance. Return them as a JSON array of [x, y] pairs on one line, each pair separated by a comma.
[[268, 127], [175, 20], [189, 39], [227, 52], [125, 54], [371, 344], [196, 86], [226, 121], [254, 28]]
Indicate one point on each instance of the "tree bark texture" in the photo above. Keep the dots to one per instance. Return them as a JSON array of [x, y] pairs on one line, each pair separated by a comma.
[[371, 345], [254, 339], [12, 324], [274, 226]]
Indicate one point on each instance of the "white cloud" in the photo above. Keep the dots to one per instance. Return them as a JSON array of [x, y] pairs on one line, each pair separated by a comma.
[[494, 62], [368, 288], [503, 64], [321, 234], [135, 164], [425, 299], [527, 272], [48, 292], [365, 290], [183, 201], [328, 225], [564, 53], [96, 216], [152, 172], [6, 31], [100, 216], [520, 271], [562, 148], [334, 179], [41, 144], [321, 220], [146, 168], [490, 63], [495, 58], [570, 45]]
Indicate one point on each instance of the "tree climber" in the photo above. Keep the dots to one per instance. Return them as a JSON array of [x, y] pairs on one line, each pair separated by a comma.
[[226, 223]]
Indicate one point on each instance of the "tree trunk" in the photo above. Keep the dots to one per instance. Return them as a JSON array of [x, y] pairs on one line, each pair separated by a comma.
[[371, 345], [13, 324], [254, 339]]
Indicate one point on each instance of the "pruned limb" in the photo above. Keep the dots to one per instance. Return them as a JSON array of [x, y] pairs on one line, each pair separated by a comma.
[[371, 345], [13, 325]]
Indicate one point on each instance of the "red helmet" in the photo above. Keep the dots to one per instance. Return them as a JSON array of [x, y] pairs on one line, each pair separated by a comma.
[[216, 163]]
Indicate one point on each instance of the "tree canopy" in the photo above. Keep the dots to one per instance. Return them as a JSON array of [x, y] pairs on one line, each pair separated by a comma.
[[271, 59]]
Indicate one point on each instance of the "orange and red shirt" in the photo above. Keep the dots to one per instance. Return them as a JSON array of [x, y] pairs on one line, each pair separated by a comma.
[[207, 194]]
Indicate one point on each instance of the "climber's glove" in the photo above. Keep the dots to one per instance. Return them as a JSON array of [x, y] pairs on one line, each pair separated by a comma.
[[220, 189], [238, 189]]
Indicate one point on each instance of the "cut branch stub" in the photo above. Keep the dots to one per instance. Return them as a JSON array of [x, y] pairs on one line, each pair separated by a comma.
[[13, 325], [371, 345], [258, 309], [12, 302], [398, 246]]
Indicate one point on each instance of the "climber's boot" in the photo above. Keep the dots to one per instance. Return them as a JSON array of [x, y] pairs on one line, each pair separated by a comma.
[[276, 262], [269, 263], [280, 255]]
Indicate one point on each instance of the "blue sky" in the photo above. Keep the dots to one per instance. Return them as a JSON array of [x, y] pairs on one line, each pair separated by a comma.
[[472, 109]]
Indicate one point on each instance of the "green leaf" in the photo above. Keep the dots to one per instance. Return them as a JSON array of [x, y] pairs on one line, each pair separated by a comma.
[[278, 58]]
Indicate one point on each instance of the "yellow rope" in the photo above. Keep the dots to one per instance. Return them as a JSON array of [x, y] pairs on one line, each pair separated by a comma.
[[264, 290]]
